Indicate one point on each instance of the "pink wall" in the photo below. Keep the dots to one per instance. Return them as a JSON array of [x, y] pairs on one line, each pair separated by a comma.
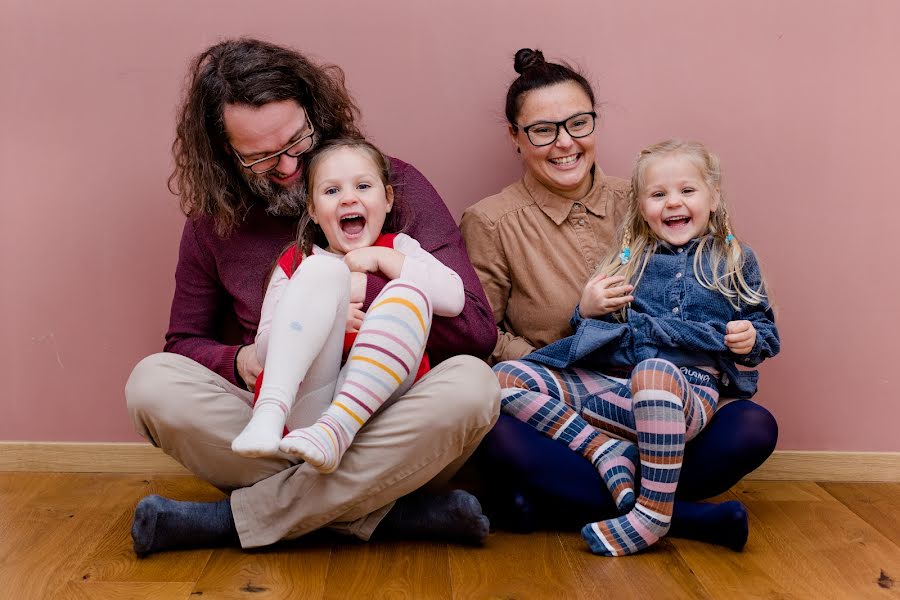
[[797, 98]]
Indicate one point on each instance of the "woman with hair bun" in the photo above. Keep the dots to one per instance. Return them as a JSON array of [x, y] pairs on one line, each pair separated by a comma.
[[535, 246]]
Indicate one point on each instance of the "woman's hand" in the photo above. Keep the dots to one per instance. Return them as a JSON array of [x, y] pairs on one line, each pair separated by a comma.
[[355, 317], [603, 295], [248, 367], [740, 336]]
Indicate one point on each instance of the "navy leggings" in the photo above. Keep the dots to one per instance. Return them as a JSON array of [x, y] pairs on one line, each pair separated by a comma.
[[559, 488]]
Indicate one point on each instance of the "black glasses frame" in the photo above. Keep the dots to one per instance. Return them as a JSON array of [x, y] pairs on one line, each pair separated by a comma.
[[286, 150], [562, 124]]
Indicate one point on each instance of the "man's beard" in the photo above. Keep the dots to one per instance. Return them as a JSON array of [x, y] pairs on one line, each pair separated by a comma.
[[280, 201]]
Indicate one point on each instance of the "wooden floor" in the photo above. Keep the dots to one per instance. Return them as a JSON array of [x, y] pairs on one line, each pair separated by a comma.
[[67, 536]]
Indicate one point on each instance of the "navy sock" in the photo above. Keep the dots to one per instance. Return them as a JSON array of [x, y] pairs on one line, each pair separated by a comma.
[[456, 516], [164, 524], [725, 524]]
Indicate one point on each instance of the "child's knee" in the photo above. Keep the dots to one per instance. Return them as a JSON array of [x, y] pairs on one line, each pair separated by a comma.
[[408, 294], [323, 270], [658, 374], [511, 375]]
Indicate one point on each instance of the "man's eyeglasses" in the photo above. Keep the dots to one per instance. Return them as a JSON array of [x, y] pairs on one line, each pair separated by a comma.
[[545, 133], [293, 149]]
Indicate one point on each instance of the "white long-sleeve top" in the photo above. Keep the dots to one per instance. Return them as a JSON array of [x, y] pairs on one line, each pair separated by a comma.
[[441, 284]]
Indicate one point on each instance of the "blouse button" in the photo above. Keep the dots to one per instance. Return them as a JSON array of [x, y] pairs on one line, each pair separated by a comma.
[[578, 206], [680, 250], [675, 310], [581, 221], [678, 275]]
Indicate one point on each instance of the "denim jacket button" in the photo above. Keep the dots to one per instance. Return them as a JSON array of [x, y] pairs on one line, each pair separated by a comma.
[[678, 275], [675, 310], [680, 250]]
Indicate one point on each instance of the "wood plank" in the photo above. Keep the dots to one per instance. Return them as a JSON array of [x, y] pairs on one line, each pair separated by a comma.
[[17, 493], [854, 549], [636, 576], [68, 536], [60, 525], [286, 571], [878, 504], [416, 570], [119, 590], [514, 565], [113, 559], [766, 568], [803, 544]]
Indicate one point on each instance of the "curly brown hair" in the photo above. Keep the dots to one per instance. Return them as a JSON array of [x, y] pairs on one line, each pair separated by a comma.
[[255, 73]]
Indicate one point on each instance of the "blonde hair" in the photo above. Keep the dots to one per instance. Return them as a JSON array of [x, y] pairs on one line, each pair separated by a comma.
[[637, 242]]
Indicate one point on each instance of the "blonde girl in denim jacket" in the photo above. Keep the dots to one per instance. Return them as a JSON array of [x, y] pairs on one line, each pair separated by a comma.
[[658, 334]]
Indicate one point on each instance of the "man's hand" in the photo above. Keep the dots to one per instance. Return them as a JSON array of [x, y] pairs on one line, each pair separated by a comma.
[[740, 336], [355, 317], [248, 366], [603, 295]]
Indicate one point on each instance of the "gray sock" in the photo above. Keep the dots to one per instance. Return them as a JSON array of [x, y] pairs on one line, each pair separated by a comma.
[[164, 524], [455, 517]]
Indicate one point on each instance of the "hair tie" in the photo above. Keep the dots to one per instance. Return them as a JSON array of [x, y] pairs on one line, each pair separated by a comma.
[[729, 238], [625, 255]]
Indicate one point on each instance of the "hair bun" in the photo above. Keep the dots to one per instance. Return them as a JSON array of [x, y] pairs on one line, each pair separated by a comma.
[[526, 58]]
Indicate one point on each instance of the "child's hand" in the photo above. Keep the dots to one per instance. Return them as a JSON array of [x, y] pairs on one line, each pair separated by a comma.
[[355, 317], [740, 336], [375, 259], [363, 260], [358, 283], [603, 295]]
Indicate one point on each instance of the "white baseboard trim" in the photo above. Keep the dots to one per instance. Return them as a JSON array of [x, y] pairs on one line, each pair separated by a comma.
[[106, 457]]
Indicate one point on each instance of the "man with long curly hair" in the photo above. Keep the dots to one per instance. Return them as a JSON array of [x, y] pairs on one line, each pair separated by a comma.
[[250, 112]]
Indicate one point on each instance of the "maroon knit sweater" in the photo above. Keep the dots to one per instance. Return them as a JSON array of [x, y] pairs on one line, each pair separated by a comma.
[[220, 283]]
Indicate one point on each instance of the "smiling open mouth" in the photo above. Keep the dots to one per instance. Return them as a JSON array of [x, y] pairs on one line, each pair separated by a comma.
[[352, 225], [676, 221]]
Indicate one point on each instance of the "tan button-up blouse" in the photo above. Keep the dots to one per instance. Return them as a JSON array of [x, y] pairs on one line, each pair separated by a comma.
[[534, 252]]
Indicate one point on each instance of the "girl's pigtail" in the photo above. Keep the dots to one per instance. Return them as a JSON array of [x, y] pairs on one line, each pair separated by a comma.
[[729, 235], [625, 255]]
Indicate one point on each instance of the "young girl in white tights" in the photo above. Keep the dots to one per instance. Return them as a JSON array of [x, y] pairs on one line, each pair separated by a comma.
[[328, 366]]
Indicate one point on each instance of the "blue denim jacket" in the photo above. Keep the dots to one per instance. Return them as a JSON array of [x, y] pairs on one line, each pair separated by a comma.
[[675, 318]]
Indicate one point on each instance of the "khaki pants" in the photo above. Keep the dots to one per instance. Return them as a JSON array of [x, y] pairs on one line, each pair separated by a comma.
[[424, 436]]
